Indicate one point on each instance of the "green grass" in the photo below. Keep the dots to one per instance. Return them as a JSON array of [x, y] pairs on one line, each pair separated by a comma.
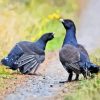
[[4, 71], [87, 89], [95, 56]]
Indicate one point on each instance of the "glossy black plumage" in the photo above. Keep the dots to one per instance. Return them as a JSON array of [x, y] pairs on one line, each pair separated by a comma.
[[73, 56], [27, 55]]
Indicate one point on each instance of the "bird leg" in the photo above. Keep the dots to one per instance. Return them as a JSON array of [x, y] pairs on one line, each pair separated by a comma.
[[63, 81], [70, 76], [77, 77], [85, 72]]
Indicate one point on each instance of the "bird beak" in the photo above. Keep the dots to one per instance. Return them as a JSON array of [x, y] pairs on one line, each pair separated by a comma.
[[53, 34], [0, 63], [61, 20]]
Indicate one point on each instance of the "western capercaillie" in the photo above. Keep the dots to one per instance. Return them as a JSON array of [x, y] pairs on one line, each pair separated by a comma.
[[26, 55], [73, 56]]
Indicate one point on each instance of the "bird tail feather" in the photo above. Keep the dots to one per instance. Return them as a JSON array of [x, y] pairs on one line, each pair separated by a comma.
[[27, 63], [74, 66], [94, 68]]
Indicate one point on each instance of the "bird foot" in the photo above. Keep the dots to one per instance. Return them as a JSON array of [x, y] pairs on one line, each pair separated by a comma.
[[35, 74], [64, 81], [76, 79]]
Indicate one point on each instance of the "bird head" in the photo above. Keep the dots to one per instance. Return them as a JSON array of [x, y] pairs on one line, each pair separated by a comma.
[[48, 36], [67, 23]]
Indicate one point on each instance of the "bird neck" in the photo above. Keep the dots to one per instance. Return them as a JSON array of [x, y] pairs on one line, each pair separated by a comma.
[[41, 43], [70, 37]]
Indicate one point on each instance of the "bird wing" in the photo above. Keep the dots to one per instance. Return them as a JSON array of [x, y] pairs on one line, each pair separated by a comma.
[[83, 51], [28, 62], [14, 54], [70, 56], [31, 48], [30, 59], [84, 55]]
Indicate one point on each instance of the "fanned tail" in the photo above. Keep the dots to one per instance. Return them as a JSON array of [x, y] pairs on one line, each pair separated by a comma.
[[27, 63]]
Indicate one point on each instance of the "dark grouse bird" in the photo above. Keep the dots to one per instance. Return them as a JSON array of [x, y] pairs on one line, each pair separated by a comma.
[[27, 55], [73, 56]]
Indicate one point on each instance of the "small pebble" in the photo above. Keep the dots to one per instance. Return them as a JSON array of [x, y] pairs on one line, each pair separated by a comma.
[[51, 85], [43, 77]]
